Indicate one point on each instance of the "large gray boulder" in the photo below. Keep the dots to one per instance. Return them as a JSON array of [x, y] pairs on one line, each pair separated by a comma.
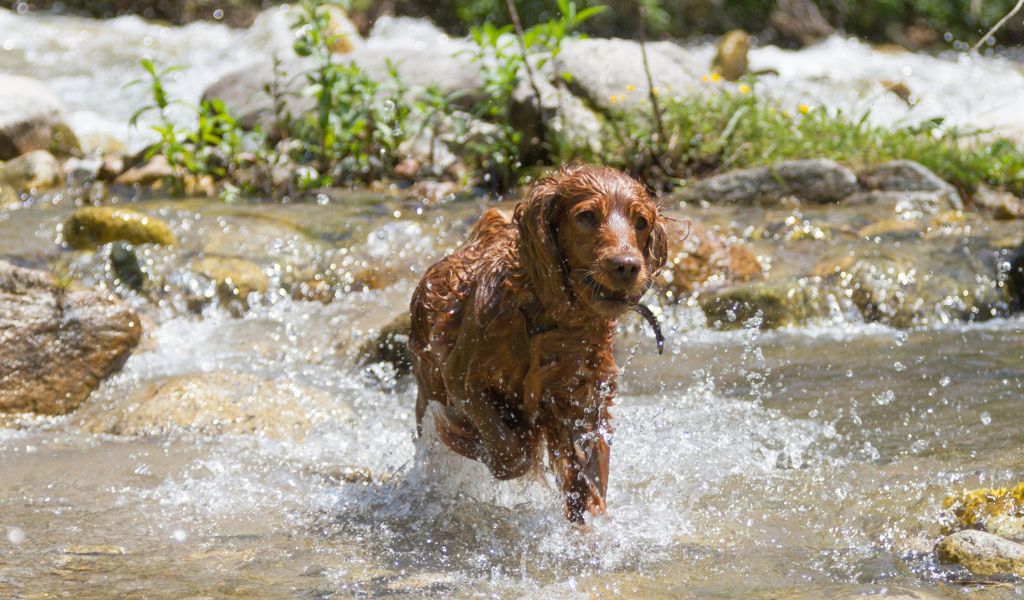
[[58, 342], [609, 73], [819, 181], [245, 92], [32, 118]]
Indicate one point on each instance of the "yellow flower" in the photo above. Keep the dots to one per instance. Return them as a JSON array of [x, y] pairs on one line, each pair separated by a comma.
[[630, 87], [613, 99], [712, 77], [744, 88], [804, 109], [655, 91]]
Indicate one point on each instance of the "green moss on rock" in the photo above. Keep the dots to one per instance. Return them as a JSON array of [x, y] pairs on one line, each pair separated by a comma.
[[95, 225]]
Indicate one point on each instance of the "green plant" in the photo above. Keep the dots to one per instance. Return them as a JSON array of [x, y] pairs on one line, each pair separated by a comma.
[[735, 129], [497, 151], [172, 140], [357, 124]]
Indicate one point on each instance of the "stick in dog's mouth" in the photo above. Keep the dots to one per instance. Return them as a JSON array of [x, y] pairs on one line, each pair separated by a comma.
[[653, 320]]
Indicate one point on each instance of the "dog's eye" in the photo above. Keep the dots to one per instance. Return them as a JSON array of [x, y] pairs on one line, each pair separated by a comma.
[[586, 218], [641, 223]]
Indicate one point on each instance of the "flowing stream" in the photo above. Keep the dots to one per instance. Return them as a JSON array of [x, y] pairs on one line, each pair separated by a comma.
[[806, 462]]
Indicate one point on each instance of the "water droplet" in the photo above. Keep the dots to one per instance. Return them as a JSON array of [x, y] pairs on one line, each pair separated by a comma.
[[944, 382], [179, 535], [986, 419], [15, 535], [885, 397], [900, 367]]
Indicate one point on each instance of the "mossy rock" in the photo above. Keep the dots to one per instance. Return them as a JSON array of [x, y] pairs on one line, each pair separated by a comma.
[[730, 59], [774, 303], [997, 510], [97, 225]]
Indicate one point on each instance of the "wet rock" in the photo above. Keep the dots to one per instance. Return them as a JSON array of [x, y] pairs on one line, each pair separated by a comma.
[[126, 266], [999, 511], [33, 170], [58, 342], [235, 277], [1001, 205], [766, 304], [390, 344], [699, 257], [982, 553], [97, 225], [1015, 277], [82, 171], [799, 21], [155, 171], [817, 180], [892, 228], [927, 283], [111, 166], [730, 59], [219, 402], [94, 550], [8, 196], [908, 176], [31, 118], [608, 73]]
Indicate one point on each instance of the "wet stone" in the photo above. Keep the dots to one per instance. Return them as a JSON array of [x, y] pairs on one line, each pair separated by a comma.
[[982, 553], [908, 176], [59, 342], [95, 225], [817, 181], [34, 170]]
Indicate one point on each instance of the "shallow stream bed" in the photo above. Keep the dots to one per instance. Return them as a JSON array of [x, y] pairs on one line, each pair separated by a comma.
[[805, 462]]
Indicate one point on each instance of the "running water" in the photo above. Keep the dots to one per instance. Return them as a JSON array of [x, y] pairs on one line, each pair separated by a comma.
[[806, 462]]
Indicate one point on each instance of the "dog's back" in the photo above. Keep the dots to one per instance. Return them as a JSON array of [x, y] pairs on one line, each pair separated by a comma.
[[441, 298]]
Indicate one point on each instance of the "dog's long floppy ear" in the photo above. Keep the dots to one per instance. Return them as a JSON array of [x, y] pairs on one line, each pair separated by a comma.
[[538, 246], [656, 250]]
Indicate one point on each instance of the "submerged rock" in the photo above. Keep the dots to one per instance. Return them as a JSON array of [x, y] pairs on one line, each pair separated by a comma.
[[31, 118], [218, 402], [698, 257], [235, 277], [982, 553], [390, 344], [58, 342], [97, 225], [817, 180], [37, 169], [730, 59], [766, 304]]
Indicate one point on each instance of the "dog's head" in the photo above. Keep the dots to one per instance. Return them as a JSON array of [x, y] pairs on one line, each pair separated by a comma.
[[591, 236]]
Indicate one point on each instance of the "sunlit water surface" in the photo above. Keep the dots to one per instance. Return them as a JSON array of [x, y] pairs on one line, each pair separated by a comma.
[[806, 462]]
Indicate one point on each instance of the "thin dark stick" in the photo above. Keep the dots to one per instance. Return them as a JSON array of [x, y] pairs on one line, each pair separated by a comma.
[[521, 38], [650, 79], [653, 320]]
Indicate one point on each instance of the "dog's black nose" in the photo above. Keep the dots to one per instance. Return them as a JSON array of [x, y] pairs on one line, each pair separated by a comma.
[[622, 269]]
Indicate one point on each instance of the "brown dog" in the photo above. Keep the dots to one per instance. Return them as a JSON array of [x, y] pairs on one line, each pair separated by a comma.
[[512, 333]]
